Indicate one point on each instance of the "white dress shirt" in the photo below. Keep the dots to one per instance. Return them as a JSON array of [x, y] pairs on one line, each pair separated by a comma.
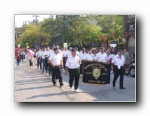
[[43, 54], [40, 54], [89, 57], [65, 52], [101, 57], [110, 57], [69, 53], [60, 53], [51, 53], [56, 59], [77, 53], [37, 54], [73, 62], [118, 61], [82, 56]]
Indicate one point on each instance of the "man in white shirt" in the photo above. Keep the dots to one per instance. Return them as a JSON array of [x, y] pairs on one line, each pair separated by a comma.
[[89, 56], [50, 54], [56, 62], [82, 56], [101, 56], [72, 65], [44, 55], [46, 58], [118, 62]]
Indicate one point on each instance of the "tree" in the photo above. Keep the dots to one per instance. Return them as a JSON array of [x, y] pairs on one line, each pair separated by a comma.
[[112, 26], [31, 35]]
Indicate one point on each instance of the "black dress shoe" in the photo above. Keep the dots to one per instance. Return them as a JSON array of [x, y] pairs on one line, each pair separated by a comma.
[[61, 85], [113, 85], [122, 88]]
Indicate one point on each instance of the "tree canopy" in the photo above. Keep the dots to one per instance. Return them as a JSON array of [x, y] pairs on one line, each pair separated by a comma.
[[76, 30]]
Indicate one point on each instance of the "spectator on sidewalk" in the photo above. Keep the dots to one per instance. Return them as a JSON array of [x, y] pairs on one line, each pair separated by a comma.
[[17, 57]]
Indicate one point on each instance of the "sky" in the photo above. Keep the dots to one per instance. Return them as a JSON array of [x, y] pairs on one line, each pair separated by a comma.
[[19, 19]]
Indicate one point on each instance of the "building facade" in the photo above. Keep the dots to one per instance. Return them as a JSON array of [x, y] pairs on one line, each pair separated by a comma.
[[129, 33]]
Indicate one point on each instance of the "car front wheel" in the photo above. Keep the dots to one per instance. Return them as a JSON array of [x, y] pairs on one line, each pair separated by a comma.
[[132, 71]]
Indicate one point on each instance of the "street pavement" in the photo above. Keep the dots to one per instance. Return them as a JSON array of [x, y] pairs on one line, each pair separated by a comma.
[[33, 86]]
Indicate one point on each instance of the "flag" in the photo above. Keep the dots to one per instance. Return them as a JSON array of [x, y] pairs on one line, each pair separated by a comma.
[[96, 72]]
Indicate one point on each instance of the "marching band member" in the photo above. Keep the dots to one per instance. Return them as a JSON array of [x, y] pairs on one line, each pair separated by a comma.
[[56, 62], [51, 52], [101, 56], [73, 64], [82, 56], [44, 54], [118, 62], [90, 56], [64, 56], [46, 58]]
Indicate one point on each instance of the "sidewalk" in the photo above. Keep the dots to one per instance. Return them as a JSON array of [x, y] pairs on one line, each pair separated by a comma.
[[33, 86]]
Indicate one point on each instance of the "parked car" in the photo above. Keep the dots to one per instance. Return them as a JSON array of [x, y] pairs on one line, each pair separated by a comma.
[[131, 70]]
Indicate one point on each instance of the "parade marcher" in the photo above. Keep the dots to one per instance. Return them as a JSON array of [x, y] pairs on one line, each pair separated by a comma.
[[101, 56], [39, 58], [82, 56], [30, 59], [118, 68], [90, 55], [51, 52], [17, 57], [44, 54], [56, 62], [46, 58], [65, 51], [127, 60], [110, 58], [72, 65]]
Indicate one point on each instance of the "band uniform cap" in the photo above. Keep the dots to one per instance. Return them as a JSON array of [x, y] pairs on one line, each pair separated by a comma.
[[73, 49], [120, 50], [56, 48]]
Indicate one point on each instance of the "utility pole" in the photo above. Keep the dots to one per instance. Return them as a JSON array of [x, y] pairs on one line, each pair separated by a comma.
[[36, 17]]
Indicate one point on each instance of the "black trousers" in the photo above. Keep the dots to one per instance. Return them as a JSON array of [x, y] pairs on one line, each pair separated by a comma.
[[74, 75], [49, 68], [46, 63], [39, 63], [30, 63], [118, 72], [56, 74], [64, 61], [81, 66]]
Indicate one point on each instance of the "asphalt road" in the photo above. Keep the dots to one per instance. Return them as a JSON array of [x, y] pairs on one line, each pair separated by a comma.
[[33, 86]]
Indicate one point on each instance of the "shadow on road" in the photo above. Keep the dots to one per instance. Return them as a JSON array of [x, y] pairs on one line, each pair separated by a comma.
[[31, 88]]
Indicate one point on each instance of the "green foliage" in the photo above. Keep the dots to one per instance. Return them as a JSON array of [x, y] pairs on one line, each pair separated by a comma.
[[76, 30]]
